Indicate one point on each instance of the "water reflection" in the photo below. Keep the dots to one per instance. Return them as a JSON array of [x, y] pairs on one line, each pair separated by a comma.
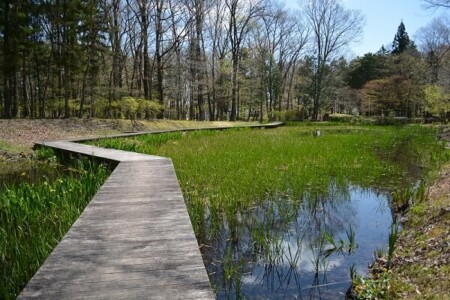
[[286, 249]]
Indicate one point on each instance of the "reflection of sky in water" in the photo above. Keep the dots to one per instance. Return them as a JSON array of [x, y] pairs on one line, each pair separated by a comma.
[[293, 272]]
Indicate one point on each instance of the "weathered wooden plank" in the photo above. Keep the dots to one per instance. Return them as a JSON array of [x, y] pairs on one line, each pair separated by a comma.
[[137, 292]]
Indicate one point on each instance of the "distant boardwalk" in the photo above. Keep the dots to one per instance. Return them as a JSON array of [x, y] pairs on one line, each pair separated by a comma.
[[133, 241]]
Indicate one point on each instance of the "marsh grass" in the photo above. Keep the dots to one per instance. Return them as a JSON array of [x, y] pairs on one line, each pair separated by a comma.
[[393, 236], [245, 188], [222, 173], [35, 215]]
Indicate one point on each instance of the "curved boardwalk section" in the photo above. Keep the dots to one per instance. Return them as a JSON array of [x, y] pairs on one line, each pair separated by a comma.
[[133, 241]]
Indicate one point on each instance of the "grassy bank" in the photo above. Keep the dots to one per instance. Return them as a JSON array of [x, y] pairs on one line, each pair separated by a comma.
[[421, 267], [35, 215]]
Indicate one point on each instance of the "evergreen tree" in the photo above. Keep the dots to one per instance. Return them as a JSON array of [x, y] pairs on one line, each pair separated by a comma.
[[366, 68], [401, 40]]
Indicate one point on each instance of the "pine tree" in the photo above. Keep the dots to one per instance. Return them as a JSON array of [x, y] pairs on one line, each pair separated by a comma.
[[401, 40]]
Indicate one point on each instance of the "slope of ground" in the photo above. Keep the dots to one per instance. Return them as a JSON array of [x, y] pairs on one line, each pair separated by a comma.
[[422, 264]]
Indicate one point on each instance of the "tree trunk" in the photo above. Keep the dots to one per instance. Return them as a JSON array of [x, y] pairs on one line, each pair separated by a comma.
[[158, 53], [234, 83], [7, 62]]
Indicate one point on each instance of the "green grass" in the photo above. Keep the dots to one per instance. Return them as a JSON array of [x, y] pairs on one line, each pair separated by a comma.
[[35, 216]]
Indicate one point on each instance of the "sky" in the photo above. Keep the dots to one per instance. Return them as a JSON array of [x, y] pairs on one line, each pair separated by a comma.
[[382, 18]]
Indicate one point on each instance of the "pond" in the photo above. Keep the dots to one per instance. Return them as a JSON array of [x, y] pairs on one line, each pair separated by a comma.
[[283, 252]]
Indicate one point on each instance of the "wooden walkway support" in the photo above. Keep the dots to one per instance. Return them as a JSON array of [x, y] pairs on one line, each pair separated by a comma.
[[134, 240]]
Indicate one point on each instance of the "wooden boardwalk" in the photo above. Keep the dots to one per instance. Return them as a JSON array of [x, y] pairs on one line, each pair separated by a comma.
[[134, 240]]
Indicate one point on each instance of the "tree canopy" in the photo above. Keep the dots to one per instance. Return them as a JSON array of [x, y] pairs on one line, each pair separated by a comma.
[[207, 60]]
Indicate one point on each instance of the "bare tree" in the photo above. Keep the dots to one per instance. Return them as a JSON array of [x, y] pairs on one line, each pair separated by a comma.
[[197, 9], [171, 27], [279, 39], [241, 12], [218, 39], [116, 33], [434, 41], [333, 28], [437, 3]]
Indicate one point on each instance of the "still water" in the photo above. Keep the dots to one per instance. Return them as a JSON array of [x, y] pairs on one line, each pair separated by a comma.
[[284, 249]]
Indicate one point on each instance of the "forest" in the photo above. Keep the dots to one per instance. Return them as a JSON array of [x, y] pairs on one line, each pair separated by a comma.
[[215, 60]]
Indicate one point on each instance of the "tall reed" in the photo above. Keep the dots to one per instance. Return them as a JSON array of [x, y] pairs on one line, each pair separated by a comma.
[[35, 216]]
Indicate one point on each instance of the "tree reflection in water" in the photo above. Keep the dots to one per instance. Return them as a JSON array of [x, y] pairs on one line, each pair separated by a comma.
[[281, 249]]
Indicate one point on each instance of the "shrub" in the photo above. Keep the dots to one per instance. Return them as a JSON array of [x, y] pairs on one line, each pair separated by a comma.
[[128, 107], [148, 109]]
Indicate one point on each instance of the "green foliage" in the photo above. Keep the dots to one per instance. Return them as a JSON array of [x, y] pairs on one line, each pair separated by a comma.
[[288, 115], [46, 154], [128, 107], [35, 216], [366, 68], [149, 109], [132, 108], [437, 102], [349, 119], [373, 288]]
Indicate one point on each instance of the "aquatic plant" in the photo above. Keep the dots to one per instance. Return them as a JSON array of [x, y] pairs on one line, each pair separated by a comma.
[[378, 253], [342, 246], [353, 273], [35, 216], [393, 236]]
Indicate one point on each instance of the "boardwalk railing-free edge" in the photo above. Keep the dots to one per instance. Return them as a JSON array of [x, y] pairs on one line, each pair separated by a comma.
[[133, 240]]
